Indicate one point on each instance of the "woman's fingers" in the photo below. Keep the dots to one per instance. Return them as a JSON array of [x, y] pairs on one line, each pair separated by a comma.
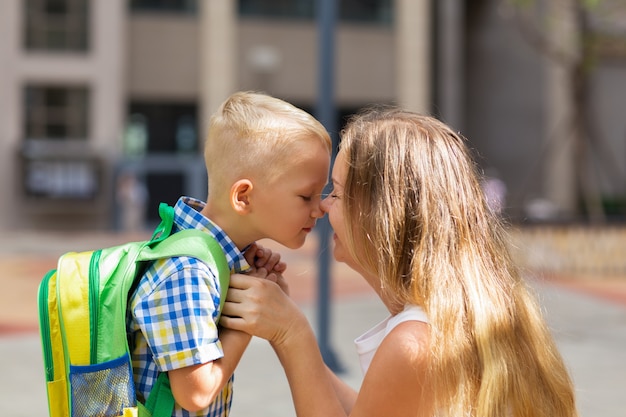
[[241, 281], [260, 307]]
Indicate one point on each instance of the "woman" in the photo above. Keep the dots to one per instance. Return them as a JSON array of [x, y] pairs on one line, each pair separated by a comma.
[[464, 336]]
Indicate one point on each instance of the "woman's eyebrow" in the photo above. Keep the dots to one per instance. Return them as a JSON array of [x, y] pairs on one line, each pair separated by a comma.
[[335, 182]]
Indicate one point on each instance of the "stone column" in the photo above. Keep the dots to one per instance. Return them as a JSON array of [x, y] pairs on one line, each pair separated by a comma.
[[413, 54], [218, 55], [11, 109], [451, 65], [106, 62]]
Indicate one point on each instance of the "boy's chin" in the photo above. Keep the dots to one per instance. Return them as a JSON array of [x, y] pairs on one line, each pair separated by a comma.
[[294, 243]]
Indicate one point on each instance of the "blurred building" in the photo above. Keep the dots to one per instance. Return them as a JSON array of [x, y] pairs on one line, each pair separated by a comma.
[[94, 91]]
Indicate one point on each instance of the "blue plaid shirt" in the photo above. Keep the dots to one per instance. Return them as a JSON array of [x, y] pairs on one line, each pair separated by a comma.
[[173, 312]]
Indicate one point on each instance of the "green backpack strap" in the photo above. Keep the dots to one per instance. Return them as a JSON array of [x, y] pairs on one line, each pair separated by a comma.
[[160, 402], [196, 244], [164, 229], [188, 242]]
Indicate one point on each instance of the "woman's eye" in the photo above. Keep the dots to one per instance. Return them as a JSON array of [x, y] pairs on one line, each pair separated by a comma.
[[330, 194]]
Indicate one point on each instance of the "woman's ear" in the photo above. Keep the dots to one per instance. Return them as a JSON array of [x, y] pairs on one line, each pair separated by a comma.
[[240, 196]]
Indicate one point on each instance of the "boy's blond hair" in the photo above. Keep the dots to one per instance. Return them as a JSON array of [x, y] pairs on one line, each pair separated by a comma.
[[251, 135]]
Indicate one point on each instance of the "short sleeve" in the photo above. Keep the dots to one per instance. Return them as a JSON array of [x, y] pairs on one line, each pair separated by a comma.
[[177, 311]]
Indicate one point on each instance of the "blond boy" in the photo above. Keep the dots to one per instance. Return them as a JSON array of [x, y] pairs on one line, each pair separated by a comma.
[[267, 163]]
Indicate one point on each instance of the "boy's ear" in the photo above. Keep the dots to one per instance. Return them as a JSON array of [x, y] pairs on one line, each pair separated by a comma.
[[240, 196]]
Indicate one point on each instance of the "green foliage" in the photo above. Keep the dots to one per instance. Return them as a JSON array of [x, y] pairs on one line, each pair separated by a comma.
[[589, 4]]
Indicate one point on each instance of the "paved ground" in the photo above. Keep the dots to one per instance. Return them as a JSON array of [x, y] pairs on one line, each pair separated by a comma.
[[587, 315]]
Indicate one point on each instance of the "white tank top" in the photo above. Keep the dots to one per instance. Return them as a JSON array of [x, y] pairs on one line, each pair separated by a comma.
[[368, 342]]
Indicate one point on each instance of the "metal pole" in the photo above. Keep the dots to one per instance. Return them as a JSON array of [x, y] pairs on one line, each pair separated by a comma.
[[327, 115]]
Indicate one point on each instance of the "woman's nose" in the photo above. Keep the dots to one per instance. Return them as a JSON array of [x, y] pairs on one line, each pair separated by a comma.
[[324, 204]]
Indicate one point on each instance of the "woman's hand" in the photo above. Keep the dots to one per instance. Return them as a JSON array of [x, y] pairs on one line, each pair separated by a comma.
[[261, 308]]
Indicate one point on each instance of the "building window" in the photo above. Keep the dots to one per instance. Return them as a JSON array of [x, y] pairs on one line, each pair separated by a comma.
[[56, 25], [162, 127], [362, 11], [177, 6], [56, 112], [366, 11], [292, 9]]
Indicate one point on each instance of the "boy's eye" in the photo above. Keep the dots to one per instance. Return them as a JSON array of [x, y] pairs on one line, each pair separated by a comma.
[[306, 197]]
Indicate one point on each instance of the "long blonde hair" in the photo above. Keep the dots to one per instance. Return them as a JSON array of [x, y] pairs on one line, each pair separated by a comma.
[[421, 223], [252, 132]]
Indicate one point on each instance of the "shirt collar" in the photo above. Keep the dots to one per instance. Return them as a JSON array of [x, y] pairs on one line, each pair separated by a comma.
[[187, 216]]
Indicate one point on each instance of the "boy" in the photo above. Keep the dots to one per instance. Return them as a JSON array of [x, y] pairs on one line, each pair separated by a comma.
[[267, 163]]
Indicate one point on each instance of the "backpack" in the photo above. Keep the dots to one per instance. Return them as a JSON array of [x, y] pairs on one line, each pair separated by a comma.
[[82, 320]]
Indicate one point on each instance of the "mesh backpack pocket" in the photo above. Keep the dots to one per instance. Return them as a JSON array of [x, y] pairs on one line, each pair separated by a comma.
[[102, 390]]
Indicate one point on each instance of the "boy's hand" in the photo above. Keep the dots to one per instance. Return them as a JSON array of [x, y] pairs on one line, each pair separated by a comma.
[[259, 257], [266, 264]]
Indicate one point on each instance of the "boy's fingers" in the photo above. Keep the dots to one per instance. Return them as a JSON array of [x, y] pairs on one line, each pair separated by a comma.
[[250, 253], [259, 272], [280, 267], [272, 260], [262, 257]]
